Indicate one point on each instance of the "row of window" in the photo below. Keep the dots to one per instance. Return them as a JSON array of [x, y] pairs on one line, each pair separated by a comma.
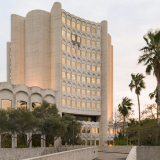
[[90, 130], [84, 28], [79, 91], [113, 131], [79, 78], [78, 104], [90, 142]]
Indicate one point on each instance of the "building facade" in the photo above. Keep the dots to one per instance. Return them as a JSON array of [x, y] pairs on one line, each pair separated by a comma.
[[73, 57]]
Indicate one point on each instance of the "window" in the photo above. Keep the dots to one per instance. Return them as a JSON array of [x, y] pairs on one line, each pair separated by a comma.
[[73, 24], [78, 78], [83, 79], [35, 104], [88, 92], [97, 142], [88, 105], [73, 90], [68, 35], [68, 22], [63, 75], [73, 77], [93, 68], [63, 33], [68, 62], [88, 42], [83, 40], [98, 105], [21, 104], [93, 55], [83, 104], [88, 29], [63, 88], [63, 20], [93, 30], [78, 52], [98, 68], [63, 102], [98, 81], [68, 49], [92, 142], [98, 44], [73, 103], [93, 43], [78, 26], [93, 93], [78, 39], [88, 67], [88, 80], [88, 142], [111, 130], [98, 56], [83, 28], [68, 89], [63, 47], [68, 76], [78, 65], [92, 130], [63, 61], [83, 92], [98, 93], [68, 103], [93, 105], [83, 66], [78, 91], [73, 37], [93, 80], [88, 130], [83, 129], [73, 64], [107, 131], [83, 53], [73, 50], [88, 54], [98, 31], [78, 104]]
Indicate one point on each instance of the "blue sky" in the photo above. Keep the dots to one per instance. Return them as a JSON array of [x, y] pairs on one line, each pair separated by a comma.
[[127, 20]]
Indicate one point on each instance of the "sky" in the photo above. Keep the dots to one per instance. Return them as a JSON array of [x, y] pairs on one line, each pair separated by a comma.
[[128, 22]]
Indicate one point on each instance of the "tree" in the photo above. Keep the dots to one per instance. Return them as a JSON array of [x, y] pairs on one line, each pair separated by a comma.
[[124, 108], [137, 83], [151, 56]]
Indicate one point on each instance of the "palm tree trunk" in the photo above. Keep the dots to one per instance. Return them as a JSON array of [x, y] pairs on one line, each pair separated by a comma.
[[158, 93], [139, 119], [157, 112], [123, 125]]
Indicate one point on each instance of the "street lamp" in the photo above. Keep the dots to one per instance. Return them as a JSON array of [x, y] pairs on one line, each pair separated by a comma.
[[73, 131]]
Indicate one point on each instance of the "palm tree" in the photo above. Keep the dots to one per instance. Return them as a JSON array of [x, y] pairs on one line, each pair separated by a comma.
[[124, 108], [151, 56], [137, 83]]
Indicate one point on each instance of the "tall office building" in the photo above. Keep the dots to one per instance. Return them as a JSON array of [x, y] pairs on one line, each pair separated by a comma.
[[67, 54]]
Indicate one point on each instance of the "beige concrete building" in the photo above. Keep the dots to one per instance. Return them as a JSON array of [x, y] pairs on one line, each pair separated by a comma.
[[70, 55]]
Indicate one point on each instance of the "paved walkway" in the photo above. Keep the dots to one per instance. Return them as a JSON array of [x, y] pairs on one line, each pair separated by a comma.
[[132, 154]]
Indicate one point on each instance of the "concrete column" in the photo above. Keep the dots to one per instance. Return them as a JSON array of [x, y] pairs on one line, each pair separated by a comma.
[[28, 136], [42, 141], [8, 62], [0, 141]]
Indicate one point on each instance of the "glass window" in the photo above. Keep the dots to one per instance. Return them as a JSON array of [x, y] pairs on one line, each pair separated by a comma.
[[83, 40], [93, 105], [98, 31], [78, 91], [83, 53], [73, 37], [68, 62], [78, 39], [88, 54], [78, 104], [97, 142], [93, 80], [83, 28], [69, 89], [63, 33], [107, 131], [73, 90], [68, 76], [63, 47], [35, 104], [93, 55], [68, 103], [92, 142], [88, 67], [73, 50], [83, 104], [83, 92], [88, 29], [63, 75], [68, 49], [78, 65], [97, 130], [98, 81], [68, 22], [88, 105], [88, 142], [73, 24], [21, 104], [83, 66], [73, 64], [98, 105], [83, 79], [93, 30], [88, 42], [93, 93], [98, 56], [73, 77], [92, 130], [98, 68], [63, 88], [88, 130], [68, 35], [78, 52], [83, 129], [88, 92], [78, 26], [93, 43], [63, 102], [78, 78], [88, 80], [93, 68], [98, 93], [98, 44], [63, 19], [73, 103], [63, 61], [111, 130]]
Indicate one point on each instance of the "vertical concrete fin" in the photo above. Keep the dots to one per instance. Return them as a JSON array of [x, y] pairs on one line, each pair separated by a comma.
[[9, 62]]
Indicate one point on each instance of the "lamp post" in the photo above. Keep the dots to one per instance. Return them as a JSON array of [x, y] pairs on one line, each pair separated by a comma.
[[73, 131]]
